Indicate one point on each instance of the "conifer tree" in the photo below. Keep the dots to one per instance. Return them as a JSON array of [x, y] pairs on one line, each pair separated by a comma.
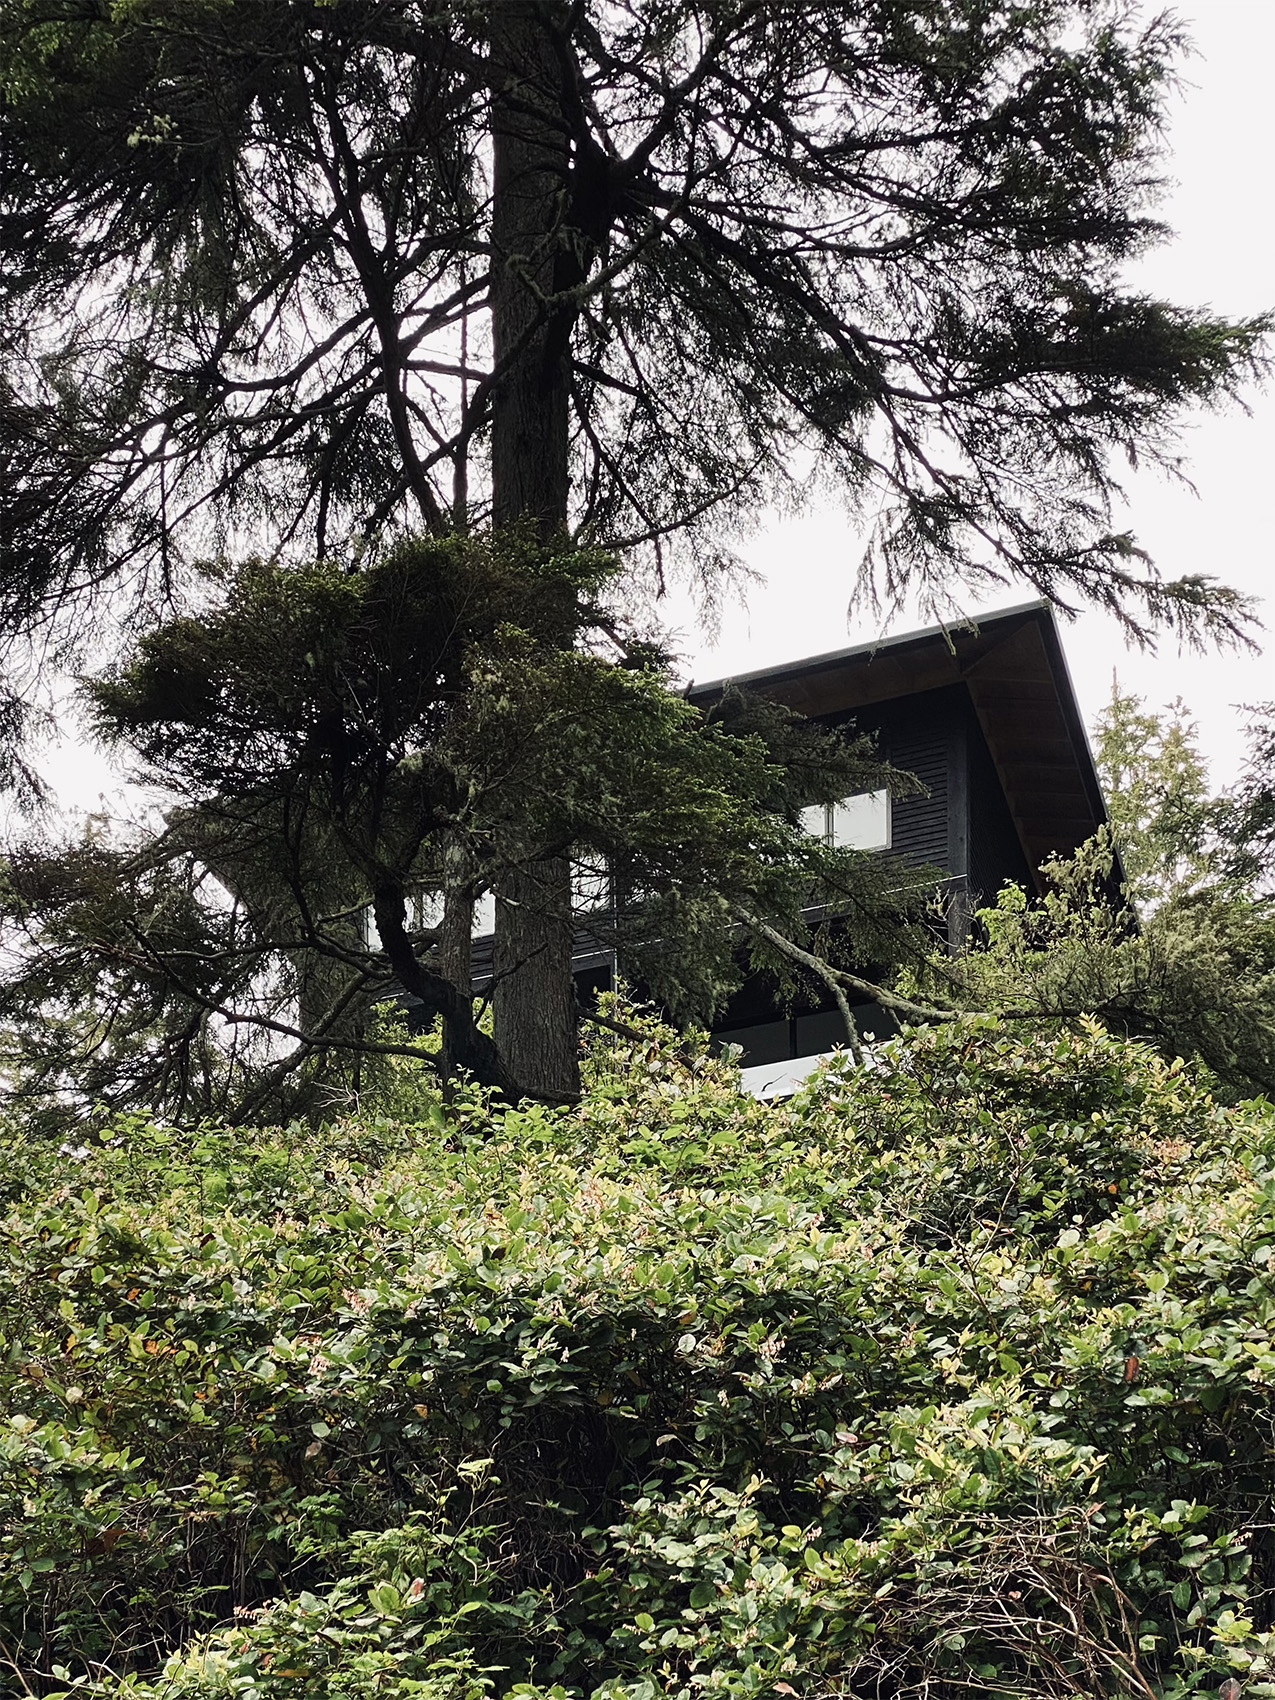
[[1189, 960], [1159, 800], [297, 278], [355, 759]]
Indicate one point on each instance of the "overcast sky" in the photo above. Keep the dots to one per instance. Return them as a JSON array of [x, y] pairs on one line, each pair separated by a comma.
[[1222, 209]]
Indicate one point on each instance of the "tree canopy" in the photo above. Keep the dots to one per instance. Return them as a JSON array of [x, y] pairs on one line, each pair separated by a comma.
[[299, 275]]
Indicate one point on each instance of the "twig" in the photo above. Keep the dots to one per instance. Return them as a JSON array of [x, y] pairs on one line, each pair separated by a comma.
[[622, 1029]]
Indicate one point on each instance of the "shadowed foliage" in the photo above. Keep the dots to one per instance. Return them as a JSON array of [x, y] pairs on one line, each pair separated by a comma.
[[956, 1372]]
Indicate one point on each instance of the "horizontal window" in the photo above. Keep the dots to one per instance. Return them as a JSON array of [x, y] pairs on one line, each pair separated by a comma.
[[590, 892], [861, 822], [425, 913], [425, 909]]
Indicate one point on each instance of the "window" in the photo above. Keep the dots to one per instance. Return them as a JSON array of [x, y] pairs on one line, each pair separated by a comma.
[[590, 892], [590, 886], [861, 822], [425, 909]]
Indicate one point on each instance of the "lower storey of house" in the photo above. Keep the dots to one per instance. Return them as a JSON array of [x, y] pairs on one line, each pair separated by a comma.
[[761, 1028], [755, 1020], [810, 1033], [766, 1032]]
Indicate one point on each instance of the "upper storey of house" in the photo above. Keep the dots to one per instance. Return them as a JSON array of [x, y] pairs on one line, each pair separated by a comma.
[[986, 716]]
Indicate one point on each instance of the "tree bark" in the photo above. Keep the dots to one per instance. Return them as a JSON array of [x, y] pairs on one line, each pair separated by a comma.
[[472, 1049], [530, 170], [533, 1002], [455, 942]]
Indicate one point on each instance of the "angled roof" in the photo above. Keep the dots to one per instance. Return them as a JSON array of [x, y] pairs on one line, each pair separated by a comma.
[[1013, 666]]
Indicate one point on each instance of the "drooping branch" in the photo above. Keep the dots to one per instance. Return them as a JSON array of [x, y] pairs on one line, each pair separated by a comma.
[[621, 1029], [817, 966], [835, 978], [466, 1043], [315, 1040]]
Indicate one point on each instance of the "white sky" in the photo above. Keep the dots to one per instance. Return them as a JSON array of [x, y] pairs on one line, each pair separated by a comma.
[[1222, 209]]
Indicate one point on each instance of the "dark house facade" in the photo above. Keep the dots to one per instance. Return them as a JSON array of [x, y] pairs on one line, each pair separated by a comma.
[[986, 716]]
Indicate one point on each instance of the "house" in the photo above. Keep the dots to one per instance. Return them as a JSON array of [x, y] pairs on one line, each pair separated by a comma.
[[986, 717]]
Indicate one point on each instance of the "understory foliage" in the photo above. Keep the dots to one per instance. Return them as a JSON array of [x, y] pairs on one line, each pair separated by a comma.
[[953, 1372], [1189, 962]]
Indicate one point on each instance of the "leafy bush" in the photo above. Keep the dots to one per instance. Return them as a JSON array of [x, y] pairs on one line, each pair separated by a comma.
[[953, 1372]]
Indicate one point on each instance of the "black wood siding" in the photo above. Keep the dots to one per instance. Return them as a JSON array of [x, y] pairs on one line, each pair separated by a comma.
[[915, 734], [919, 825], [996, 852]]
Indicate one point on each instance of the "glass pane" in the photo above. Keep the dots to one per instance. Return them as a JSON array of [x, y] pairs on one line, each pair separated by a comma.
[[862, 822], [814, 820], [427, 909], [590, 886]]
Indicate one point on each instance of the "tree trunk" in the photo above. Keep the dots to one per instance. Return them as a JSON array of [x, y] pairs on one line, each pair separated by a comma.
[[455, 952], [530, 164], [471, 1049], [534, 999]]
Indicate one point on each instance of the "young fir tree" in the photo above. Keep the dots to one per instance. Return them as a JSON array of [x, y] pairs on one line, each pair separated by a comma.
[[1159, 803], [357, 758], [304, 276], [1246, 816], [1190, 962]]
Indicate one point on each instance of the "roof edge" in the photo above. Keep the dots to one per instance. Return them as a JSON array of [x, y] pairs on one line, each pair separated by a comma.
[[973, 623]]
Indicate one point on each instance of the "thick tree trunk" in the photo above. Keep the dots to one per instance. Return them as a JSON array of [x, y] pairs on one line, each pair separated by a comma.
[[530, 162], [471, 1049], [534, 1001]]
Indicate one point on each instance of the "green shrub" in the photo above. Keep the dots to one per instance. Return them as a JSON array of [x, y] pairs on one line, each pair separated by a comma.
[[956, 1372]]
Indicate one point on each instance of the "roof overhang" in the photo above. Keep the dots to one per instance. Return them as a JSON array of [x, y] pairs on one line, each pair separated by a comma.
[[1013, 666]]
